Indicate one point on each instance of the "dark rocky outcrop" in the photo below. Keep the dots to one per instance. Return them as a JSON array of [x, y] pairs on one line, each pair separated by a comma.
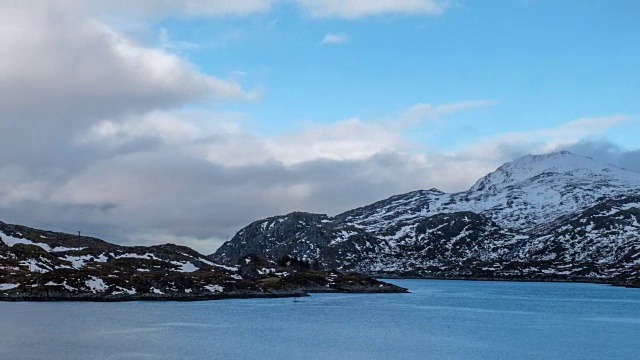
[[37, 265]]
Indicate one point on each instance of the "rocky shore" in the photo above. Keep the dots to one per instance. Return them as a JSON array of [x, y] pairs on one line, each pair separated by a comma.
[[38, 265]]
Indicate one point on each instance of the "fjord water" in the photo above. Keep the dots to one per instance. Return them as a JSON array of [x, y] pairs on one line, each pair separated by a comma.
[[437, 320]]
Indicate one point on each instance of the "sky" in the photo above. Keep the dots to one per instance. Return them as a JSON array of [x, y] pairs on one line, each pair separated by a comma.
[[144, 122]]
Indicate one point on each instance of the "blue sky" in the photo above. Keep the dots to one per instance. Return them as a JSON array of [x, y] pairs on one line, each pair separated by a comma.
[[543, 63], [146, 121]]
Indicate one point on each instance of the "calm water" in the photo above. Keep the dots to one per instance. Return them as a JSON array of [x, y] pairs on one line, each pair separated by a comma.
[[438, 320]]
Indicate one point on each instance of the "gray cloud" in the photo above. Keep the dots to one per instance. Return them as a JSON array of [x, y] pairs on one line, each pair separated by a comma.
[[606, 151], [153, 178], [80, 69], [168, 191], [67, 71]]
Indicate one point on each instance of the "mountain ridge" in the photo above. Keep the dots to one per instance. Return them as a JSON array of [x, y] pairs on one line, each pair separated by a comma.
[[512, 218]]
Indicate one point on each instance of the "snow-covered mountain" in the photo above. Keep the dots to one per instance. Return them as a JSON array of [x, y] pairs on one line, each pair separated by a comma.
[[555, 215]]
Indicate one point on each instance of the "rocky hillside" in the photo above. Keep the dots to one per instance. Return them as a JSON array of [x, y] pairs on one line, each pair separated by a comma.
[[550, 217], [44, 265]]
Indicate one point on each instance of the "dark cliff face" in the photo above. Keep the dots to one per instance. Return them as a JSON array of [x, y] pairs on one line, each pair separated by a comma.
[[535, 217], [278, 236]]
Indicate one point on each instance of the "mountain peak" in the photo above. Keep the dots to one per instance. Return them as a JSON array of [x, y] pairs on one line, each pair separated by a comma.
[[563, 162], [563, 155]]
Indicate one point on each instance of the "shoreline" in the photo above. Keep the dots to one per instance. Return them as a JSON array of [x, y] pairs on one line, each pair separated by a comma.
[[292, 293], [298, 293], [560, 280]]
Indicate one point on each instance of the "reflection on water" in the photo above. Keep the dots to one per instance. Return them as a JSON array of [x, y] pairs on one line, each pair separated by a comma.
[[438, 320], [618, 320]]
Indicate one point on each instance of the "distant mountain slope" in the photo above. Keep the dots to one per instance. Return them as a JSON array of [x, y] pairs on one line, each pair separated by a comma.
[[45, 265], [537, 216]]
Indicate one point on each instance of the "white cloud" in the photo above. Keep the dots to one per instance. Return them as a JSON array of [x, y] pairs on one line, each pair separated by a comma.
[[164, 126], [350, 139], [420, 112], [361, 8], [76, 67], [168, 71], [167, 43], [346, 140], [332, 38], [223, 7]]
